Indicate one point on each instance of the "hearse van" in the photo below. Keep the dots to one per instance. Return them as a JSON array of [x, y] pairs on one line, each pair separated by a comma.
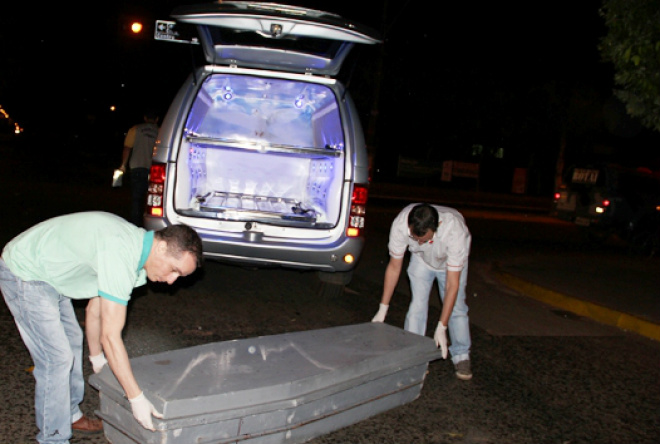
[[262, 151]]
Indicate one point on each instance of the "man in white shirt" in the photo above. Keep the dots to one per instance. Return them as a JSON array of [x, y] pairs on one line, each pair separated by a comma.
[[439, 243]]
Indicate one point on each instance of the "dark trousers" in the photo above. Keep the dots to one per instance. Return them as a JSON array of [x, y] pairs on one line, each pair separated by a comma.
[[139, 186]]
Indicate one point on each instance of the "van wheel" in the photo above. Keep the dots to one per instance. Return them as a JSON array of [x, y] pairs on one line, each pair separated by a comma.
[[329, 292], [332, 284], [596, 236], [645, 240], [339, 277]]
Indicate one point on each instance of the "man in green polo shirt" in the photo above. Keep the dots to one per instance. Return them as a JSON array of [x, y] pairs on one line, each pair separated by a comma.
[[96, 256]]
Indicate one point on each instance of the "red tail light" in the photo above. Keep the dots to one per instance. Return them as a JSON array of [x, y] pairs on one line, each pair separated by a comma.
[[557, 196], [358, 209], [606, 203], [155, 192]]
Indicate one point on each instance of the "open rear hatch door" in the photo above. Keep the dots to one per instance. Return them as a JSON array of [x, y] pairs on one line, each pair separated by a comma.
[[273, 36], [269, 148]]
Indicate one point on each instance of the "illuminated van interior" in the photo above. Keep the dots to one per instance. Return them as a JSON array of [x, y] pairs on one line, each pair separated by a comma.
[[262, 149]]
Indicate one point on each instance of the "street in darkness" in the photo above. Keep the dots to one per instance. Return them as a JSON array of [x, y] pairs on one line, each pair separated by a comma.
[[541, 375]]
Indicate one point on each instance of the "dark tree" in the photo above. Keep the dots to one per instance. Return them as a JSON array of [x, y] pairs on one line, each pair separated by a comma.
[[632, 45]]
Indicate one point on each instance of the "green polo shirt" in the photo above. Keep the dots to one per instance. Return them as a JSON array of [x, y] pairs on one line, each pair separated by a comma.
[[83, 255]]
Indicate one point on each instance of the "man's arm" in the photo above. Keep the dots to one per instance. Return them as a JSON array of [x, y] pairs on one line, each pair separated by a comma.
[[93, 326], [392, 274], [124, 157], [451, 292], [113, 318], [129, 141]]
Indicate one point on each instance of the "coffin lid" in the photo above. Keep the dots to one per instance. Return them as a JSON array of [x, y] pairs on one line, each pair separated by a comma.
[[256, 374]]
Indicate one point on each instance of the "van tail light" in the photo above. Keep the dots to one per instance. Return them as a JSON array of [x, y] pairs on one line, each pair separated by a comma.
[[603, 206], [155, 191], [358, 209]]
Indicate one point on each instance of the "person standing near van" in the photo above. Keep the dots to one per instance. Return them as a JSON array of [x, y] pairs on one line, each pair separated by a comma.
[[99, 257], [138, 151], [439, 243]]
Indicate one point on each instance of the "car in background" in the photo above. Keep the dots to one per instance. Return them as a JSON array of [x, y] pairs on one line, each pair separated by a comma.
[[262, 151], [611, 199]]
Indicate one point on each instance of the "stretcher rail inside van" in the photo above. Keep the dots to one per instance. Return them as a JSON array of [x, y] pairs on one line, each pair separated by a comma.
[[207, 142], [240, 206]]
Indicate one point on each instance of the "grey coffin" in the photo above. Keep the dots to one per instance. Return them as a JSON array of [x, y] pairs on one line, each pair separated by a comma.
[[287, 388]]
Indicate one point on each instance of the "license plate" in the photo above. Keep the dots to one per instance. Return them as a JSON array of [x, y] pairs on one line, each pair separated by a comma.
[[582, 221], [584, 175]]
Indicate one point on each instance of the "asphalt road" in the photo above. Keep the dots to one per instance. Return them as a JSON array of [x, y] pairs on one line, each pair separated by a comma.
[[540, 375]]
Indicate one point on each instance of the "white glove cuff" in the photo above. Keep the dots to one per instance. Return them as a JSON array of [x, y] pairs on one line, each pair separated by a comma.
[[138, 398], [98, 359], [382, 313]]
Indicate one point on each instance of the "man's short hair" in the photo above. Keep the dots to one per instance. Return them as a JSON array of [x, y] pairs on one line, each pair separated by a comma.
[[422, 218], [182, 239], [151, 114]]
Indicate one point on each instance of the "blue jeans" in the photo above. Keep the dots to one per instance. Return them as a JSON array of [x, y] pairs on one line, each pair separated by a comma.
[[421, 280], [50, 330]]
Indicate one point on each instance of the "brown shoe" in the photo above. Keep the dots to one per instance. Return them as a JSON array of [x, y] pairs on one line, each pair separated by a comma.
[[87, 425]]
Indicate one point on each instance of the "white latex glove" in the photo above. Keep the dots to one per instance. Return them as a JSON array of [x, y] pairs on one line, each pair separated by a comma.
[[440, 338], [382, 312], [98, 362], [142, 411]]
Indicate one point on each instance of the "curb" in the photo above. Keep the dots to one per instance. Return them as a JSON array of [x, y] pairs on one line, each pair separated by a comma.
[[598, 313]]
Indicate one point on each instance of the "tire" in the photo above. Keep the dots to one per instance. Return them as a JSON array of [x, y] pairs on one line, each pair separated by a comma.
[[645, 240], [596, 235], [332, 284], [338, 278], [329, 292]]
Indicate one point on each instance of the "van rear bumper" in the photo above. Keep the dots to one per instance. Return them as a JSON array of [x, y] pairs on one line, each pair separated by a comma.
[[328, 257]]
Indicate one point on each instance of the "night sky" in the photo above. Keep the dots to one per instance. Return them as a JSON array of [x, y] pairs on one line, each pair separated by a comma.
[[499, 74]]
